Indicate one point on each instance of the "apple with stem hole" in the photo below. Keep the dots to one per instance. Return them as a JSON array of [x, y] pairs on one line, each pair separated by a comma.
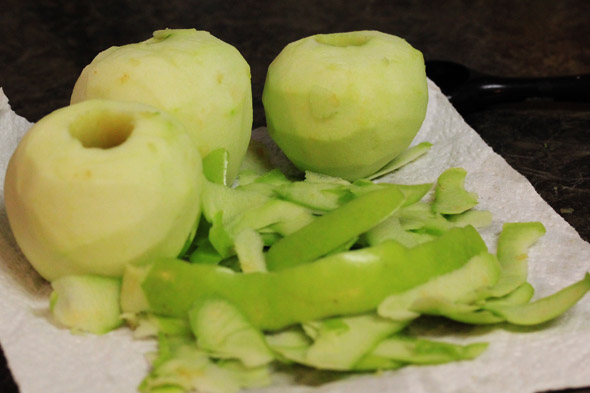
[[345, 104], [99, 184], [192, 75]]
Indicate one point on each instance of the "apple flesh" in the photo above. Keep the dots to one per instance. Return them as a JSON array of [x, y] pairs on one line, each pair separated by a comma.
[[99, 184], [192, 75], [86, 303], [345, 104]]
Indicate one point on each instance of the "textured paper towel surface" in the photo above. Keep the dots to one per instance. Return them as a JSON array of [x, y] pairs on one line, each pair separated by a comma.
[[46, 358]]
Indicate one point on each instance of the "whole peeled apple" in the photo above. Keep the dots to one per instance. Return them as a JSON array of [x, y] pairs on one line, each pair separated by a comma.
[[99, 184], [345, 104], [199, 79]]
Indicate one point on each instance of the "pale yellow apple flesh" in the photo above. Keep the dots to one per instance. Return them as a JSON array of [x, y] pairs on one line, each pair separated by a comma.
[[99, 184], [345, 104], [192, 75]]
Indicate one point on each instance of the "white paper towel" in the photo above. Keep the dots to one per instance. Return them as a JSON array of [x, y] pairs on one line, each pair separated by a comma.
[[49, 359]]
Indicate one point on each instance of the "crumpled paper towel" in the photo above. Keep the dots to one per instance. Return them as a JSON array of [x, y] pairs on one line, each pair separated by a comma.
[[46, 358]]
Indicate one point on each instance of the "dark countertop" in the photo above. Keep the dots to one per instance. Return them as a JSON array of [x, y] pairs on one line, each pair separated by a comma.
[[46, 43]]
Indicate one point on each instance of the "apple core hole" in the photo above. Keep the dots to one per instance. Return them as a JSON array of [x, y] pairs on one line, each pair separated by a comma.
[[102, 129], [343, 39]]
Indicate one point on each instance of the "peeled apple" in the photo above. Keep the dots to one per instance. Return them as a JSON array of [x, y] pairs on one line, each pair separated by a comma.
[[99, 184], [194, 76], [345, 104]]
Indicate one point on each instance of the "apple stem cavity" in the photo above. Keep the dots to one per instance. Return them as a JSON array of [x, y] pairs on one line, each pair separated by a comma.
[[353, 38], [161, 35], [102, 129]]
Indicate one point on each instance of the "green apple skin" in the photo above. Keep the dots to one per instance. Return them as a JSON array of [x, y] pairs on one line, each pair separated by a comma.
[[345, 104], [192, 75], [99, 184]]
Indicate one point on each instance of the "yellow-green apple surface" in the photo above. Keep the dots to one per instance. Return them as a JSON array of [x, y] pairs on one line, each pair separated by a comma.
[[99, 184], [345, 104], [192, 75]]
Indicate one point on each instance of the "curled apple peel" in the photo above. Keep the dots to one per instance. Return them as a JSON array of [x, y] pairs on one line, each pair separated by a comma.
[[99, 184]]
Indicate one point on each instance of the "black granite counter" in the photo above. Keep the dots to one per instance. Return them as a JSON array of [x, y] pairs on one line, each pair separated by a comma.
[[46, 43]]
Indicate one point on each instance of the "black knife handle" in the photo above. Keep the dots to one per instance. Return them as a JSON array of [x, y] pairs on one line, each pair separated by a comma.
[[483, 91]]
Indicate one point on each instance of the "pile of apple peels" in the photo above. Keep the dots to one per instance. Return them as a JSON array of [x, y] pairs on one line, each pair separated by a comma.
[[328, 274]]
